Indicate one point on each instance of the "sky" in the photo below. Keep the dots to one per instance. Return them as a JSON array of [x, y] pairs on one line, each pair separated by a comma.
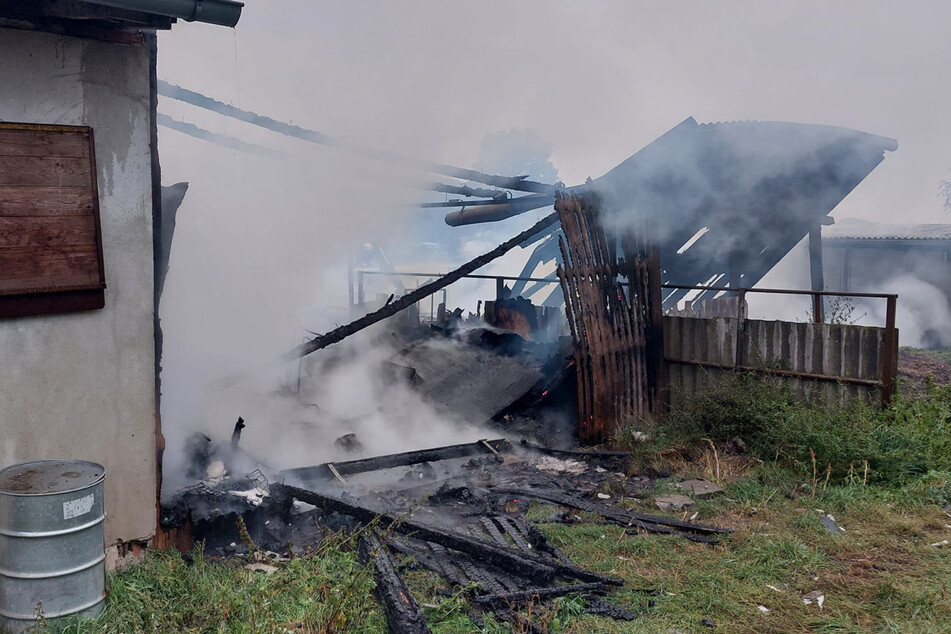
[[260, 241], [596, 80]]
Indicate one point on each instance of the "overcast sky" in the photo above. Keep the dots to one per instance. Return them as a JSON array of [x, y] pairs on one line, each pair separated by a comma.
[[597, 80], [259, 241]]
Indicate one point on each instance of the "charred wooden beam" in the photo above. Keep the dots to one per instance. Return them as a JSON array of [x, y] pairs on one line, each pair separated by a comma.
[[341, 333], [236, 434], [519, 183], [573, 454], [652, 523], [525, 564], [363, 465], [403, 614], [538, 593]]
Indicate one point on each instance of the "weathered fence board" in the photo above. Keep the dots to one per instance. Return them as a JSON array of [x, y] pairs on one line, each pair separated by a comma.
[[830, 363]]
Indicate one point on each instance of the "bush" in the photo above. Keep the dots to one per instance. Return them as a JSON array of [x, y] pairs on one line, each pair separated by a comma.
[[907, 440]]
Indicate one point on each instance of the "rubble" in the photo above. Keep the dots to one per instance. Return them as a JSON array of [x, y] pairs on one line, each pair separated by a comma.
[[470, 528], [699, 488]]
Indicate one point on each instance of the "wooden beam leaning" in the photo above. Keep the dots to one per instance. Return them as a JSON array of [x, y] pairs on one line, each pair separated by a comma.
[[529, 565], [339, 334], [404, 302], [389, 461]]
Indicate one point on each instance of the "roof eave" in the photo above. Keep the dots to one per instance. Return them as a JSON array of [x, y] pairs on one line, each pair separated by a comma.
[[219, 12]]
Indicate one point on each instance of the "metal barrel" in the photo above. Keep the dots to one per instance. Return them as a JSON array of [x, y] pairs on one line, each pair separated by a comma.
[[52, 546]]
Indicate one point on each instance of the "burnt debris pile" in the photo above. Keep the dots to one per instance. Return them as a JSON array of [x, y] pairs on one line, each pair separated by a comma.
[[460, 511]]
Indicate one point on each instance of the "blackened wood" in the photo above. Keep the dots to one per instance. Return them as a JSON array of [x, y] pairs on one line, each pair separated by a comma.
[[341, 333], [403, 614], [403, 459], [506, 558], [549, 592], [653, 523]]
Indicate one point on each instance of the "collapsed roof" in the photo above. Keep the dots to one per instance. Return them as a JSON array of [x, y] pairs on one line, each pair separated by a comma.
[[727, 201]]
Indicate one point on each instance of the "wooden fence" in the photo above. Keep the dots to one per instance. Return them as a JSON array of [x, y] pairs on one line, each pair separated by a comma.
[[832, 363]]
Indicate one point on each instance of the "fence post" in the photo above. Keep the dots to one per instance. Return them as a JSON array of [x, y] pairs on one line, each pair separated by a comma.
[[889, 362], [740, 327], [817, 316]]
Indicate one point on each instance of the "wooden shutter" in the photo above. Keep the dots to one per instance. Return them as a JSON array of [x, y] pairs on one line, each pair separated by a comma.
[[50, 237]]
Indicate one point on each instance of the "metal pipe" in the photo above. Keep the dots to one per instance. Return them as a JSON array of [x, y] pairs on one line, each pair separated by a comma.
[[220, 12], [490, 211], [779, 291]]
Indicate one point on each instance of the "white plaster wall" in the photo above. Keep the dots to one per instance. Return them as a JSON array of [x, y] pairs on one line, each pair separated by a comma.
[[81, 385]]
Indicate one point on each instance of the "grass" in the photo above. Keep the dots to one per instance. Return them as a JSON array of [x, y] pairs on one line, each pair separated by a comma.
[[327, 591], [885, 476]]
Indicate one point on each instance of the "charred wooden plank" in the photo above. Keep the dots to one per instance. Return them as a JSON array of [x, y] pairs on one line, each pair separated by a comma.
[[493, 531], [389, 461], [600, 607], [506, 558], [652, 523], [322, 341], [538, 593], [403, 614]]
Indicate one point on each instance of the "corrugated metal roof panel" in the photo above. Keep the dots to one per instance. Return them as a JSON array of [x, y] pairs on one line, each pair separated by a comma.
[[855, 229]]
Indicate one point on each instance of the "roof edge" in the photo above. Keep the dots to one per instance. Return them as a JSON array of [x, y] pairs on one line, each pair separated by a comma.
[[219, 12]]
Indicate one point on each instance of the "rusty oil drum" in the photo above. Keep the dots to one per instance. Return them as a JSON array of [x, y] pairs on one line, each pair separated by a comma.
[[52, 548]]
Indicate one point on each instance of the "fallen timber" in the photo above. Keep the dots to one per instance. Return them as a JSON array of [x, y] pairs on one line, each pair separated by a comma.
[[404, 302], [651, 523], [403, 614], [529, 564], [331, 470], [339, 334]]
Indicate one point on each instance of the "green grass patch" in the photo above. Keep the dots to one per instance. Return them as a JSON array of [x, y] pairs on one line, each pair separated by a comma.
[[329, 591]]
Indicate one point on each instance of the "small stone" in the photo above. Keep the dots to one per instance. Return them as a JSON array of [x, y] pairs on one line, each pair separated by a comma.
[[763, 609], [700, 488], [600, 470], [943, 542], [604, 496], [674, 502], [265, 568], [708, 623]]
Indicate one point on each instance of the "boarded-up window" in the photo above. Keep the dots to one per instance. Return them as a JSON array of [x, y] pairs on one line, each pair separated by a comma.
[[50, 239]]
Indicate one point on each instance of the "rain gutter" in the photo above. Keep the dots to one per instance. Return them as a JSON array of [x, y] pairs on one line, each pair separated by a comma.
[[220, 12]]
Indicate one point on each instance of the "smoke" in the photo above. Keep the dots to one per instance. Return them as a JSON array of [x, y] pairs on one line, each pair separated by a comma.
[[261, 241]]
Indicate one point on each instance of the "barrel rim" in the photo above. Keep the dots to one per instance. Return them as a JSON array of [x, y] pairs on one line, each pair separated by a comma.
[[21, 465]]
